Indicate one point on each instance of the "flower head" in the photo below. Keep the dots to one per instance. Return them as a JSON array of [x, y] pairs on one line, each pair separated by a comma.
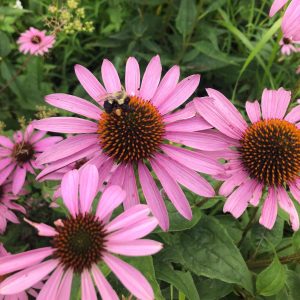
[[84, 240], [23, 294], [264, 155], [17, 156], [291, 21], [136, 133], [35, 42], [288, 46], [7, 205]]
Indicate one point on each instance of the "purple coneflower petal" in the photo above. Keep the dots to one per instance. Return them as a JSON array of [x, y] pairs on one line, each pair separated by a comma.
[[87, 287], [188, 112], [75, 105], [66, 125], [253, 111], [295, 192], [276, 6], [5, 162], [130, 187], [256, 196], [89, 82], [110, 77], [104, 288], [25, 279], [132, 76], [269, 210], [151, 78], [44, 144], [294, 115], [130, 277], [153, 197], [233, 181], [196, 123], [64, 291], [43, 229], [6, 142], [6, 172]]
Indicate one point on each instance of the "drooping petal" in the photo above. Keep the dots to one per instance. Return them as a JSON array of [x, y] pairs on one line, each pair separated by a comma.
[[235, 180], [269, 210], [166, 86], [25, 279], [276, 6], [88, 187], [66, 125], [134, 248], [87, 287], [130, 187], [253, 111], [153, 197], [173, 190], [64, 291], [132, 76], [89, 82], [274, 103], [110, 77], [256, 196], [180, 94], [151, 78], [196, 123], [75, 105], [4, 174], [187, 112], [43, 229], [104, 288], [112, 197], [69, 191], [23, 260], [130, 277]]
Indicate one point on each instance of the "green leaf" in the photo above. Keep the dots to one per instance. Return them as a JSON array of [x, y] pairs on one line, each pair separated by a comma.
[[4, 45], [186, 17], [209, 251], [271, 280], [183, 281]]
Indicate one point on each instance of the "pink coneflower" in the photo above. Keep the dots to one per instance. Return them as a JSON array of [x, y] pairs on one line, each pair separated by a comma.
[[17, 156], [7, 205], [22, 295], [265, 155], [138, 135], [288, 46], [291, 22], [82, 241], [35, 42]]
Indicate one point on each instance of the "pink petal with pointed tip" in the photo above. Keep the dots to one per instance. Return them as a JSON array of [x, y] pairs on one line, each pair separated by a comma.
[[187, 112], [43, 229], [132, 76], [276, 6], [6, 142], [130, 187], [130, 277], [196, 123], [87, 287], [64, 291], [153, 197], [294, 115], [75, 105], [110, 77], [66, 125], [233, 181], [112, 197], [180, 94], [173, 190], [5, 162], [89, 82], [151, 78]]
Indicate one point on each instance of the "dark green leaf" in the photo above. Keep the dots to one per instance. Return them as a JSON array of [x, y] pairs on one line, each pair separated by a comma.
[[4, 45]]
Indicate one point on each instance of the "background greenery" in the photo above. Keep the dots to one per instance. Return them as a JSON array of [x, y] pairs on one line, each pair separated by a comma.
[[233, 44]]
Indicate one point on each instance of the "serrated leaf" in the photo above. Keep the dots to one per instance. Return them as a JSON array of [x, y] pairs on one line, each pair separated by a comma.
[[182, 281], [186, 17], [209, 251], [271, 280]]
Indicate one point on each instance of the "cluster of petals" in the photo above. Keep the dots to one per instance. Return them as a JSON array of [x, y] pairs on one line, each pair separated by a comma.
[[7, 205], [24, 295], [172, 166], [20, 144], [124, 237], [240, 189], [35, 42], [290, 22]]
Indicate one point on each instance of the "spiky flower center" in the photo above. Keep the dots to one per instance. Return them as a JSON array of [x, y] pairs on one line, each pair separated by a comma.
[[80, 242], [132, 134], [286, 41], [36, 39], [270, 152], [23, 152]]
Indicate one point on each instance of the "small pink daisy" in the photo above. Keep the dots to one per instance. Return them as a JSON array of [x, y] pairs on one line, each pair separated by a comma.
[[7, 204], [265, 155], [141, 134], [288, 46], [22, 295], [17, 156], [82, 241], [35, 42]]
